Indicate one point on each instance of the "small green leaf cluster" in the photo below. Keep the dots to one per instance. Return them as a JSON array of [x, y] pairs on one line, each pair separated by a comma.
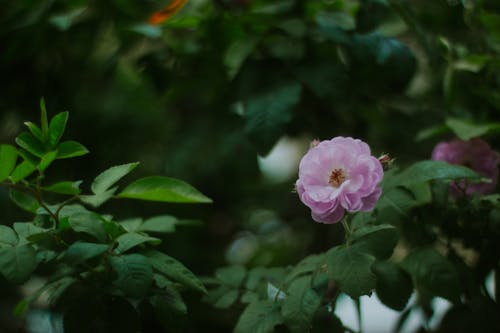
[[82, 254]]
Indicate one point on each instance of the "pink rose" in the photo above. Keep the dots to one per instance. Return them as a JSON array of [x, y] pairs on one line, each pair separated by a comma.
[[475, 154], [339, 175]]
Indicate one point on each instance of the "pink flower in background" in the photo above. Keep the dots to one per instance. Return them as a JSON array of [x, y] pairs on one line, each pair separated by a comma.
[[339, 175], [475, 154]]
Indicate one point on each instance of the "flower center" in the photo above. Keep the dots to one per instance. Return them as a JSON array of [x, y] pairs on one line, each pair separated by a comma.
[[337, 177]]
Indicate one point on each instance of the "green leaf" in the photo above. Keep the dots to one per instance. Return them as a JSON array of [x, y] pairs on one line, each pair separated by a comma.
[[351, 269], [27, 141], [134, 274], [466, 130], [133, 239], [163, 189], [300, 306], [237, 53], [17, 263], [395, 205], [82, 251], [267, 115], [22, 171], [65, 20], [425, 171], [394, 286], [8, 158], [131, 224], [430, 132], [89, 223], [377, 240], [232, 276], [24, 201], [307, 265], [161, 224], [98, 199], [26, 230], [222, 297], [66, 187], [68, 149], [432, 273], [35, 130], [7, 236], [169, 311], [171, 299], [174, 270], [57, 127], [259, 317], [44, 120], [109, 177], [46, 160]]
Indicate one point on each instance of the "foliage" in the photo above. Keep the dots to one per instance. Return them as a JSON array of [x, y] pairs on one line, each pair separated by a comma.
[[199, 97], [89, 259]]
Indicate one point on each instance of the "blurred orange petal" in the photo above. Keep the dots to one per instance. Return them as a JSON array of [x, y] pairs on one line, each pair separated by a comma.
[[170, 10]]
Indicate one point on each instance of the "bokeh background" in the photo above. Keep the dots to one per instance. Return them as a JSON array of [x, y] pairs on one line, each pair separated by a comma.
[[227, 95]]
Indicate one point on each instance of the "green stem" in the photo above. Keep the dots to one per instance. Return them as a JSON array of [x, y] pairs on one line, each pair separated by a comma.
[[347, 229]]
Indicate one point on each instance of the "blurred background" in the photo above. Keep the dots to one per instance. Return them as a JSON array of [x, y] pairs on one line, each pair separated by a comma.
[[228, 94]]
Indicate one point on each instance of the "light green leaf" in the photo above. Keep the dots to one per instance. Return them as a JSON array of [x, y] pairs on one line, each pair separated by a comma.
[[134, 274], [109, 177], [66, 187], [98, 199], [259, 317], [24, 201], [394, 286], [430, 132], [351, 269], [8, 158], [68, 149], [133, 239], [7, 236], [81, 251], [57, 127], [163, 189], [35, 130], [89, 223], [300, 305], [27, 141], [174, 270], [22, 171], [131, 224], [17, 263], [46, 160], [466, 130], [162, 224], [65, 20]]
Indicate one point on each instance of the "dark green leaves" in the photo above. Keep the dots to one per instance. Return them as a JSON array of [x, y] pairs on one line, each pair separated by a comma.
[[394, 286], [266, 115], [134, 274], [17, 262], [174, 270], [351, 269], [163, 189], [89, 223], [300, 306], [66, 187], [81, 251], [432, 273], [259, 317], [425, 171]]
